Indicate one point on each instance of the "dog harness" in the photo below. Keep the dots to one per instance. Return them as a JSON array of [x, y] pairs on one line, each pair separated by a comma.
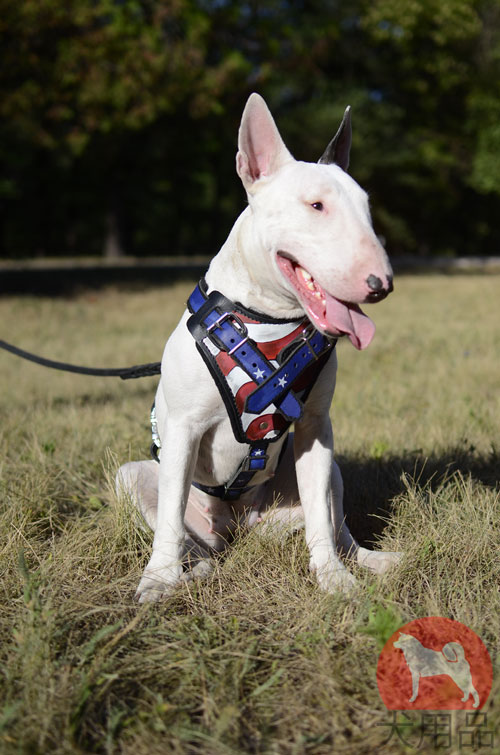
[[264, 369]]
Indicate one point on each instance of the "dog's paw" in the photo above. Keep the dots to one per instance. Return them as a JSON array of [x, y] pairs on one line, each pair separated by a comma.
[[378, 561], [157, 584]]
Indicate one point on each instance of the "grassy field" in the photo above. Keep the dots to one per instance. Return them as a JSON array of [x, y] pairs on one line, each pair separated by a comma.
[[256, 659]]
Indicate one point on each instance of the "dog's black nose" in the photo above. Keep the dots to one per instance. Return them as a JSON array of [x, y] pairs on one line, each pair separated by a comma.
[[377, 288], [374, 283]]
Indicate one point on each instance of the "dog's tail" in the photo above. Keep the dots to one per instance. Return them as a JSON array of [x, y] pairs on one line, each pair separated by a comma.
[[453, 652]]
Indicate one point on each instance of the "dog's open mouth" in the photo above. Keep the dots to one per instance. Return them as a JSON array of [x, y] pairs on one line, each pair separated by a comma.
[[328, 314]]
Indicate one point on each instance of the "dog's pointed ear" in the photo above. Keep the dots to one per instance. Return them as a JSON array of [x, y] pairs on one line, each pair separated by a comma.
[[261, 150], [339, 148]]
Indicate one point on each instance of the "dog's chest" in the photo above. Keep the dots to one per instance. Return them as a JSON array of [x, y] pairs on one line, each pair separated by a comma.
[[220, 454], [261, 371]]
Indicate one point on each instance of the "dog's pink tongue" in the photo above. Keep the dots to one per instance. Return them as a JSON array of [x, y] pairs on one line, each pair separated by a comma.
[[349, 319]]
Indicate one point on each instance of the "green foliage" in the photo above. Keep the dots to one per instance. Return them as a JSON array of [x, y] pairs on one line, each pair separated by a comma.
[[122, 114], [75, 69], [382, 621]]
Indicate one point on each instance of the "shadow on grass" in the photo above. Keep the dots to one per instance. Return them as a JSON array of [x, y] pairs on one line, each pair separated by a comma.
[[372, 484]]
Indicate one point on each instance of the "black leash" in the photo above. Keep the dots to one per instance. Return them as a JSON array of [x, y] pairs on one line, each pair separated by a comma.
[[125, 373]]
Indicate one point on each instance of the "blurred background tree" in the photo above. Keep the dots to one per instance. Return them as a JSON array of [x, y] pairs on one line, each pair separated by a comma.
[[119, 117]]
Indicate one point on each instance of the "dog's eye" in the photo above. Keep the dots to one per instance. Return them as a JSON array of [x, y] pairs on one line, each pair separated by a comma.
[[317, 206]]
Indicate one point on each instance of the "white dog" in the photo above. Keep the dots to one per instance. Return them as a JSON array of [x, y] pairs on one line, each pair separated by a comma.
[[450, 660], [256, 341]]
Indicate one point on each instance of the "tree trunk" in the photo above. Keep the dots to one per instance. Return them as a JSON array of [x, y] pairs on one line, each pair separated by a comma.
[[112, 243]]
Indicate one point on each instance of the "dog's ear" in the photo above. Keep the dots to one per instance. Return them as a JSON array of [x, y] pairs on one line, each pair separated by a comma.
[[339, 148], [261, 150]]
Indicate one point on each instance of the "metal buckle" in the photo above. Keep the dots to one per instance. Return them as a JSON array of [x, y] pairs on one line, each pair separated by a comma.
[[239, 327], [306, 335], [245, 467], [248, 459]]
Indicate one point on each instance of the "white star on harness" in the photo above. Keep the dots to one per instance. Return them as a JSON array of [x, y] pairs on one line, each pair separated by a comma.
[[259, 452], [282, 382], [259, 374]]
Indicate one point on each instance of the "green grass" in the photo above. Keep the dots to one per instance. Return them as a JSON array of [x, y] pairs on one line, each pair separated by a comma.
[[255, 659]]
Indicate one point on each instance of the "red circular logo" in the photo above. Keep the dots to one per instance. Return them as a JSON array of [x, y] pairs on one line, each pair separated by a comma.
[[434, 664]]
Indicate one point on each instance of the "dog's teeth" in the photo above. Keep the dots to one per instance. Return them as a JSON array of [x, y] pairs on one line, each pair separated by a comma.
[[318, 295], [307, 276]]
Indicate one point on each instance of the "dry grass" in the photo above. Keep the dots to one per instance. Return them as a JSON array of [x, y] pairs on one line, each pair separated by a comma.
[[256, 659]]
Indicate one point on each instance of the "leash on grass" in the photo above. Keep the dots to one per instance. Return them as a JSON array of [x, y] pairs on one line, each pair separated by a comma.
[[125, 373]]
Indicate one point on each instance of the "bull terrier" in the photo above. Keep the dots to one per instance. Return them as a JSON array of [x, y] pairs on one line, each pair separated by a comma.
[[254, 353]]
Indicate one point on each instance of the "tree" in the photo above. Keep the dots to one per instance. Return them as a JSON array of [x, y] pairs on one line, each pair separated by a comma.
[[79, 78], [119, 117]]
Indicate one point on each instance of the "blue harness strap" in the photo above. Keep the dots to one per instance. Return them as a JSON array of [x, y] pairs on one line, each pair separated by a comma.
[[267, 395], [216, 320], [254, 461]]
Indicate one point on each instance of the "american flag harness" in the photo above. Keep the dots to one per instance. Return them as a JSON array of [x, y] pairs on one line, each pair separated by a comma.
[[264, 368]]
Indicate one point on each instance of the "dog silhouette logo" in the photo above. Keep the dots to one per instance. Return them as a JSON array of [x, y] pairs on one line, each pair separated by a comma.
[[434, 663]]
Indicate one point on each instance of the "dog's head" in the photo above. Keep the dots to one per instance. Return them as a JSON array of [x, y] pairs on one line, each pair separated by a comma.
[[314, 223], [402, 640]]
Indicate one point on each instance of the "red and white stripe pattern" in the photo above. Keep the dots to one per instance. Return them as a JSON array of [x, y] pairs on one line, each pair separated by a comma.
[[270, 339]]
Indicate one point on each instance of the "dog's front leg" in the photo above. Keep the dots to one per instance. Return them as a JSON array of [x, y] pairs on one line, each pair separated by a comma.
[[313, 447], [178, 459]]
